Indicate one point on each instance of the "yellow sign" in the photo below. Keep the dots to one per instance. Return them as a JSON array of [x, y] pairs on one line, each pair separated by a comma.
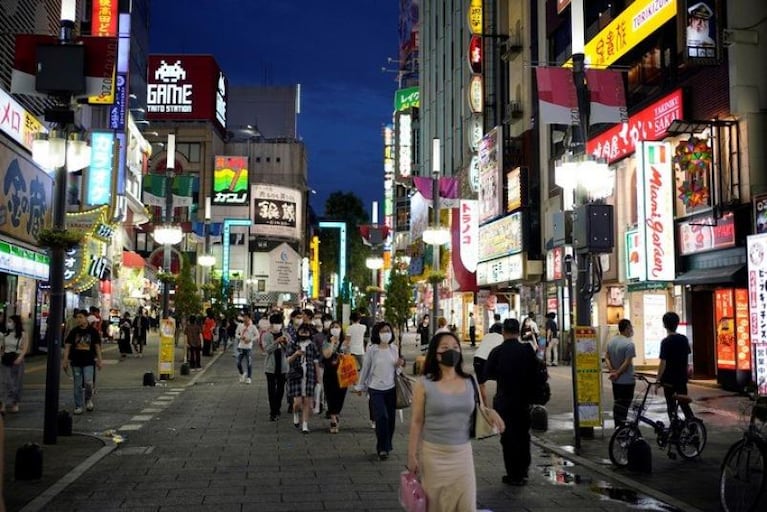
[[107, 95], [631, 27], [166, 356], [588, 377], [475, 17]]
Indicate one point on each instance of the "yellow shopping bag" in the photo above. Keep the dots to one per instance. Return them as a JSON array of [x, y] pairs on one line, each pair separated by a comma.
[[347, 371]]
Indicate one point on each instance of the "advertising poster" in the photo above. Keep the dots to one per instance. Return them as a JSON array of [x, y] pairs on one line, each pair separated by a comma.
[[655, 211], [589, 376], [701, 31], [757, 306], [230, 181], [654, 307], [724, 318], [166, 355], [760, 214], [490, 165]]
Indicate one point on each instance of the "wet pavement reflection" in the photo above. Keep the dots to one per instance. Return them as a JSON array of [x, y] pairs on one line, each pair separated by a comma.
[[560, 471]]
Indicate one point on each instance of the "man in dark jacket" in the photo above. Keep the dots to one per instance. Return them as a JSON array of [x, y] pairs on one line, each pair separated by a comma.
[[513, 366]]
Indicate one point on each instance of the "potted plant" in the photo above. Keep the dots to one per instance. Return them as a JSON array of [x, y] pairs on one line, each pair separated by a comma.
[[64, 238], [436, 277]]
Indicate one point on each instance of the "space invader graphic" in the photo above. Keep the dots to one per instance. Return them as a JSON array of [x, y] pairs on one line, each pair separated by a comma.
[[170, 73]]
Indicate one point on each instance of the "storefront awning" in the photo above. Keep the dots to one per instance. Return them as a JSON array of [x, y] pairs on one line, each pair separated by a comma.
[[730, 274], [133, 260]]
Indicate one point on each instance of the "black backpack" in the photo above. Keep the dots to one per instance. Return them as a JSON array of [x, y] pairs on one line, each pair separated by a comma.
[[541, 389]]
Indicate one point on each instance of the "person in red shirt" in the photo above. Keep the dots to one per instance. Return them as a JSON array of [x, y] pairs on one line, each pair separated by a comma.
[[208, 328]]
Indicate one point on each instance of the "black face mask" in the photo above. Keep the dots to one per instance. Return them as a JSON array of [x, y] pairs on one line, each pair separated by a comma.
[[304, 338], [450, 358]]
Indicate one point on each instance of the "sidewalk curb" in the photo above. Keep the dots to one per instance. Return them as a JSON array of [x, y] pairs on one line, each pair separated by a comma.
[[51, 492], [600, 469]]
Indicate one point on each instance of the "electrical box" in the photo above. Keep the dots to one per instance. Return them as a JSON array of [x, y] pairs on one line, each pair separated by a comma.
[[593, 228], [60, 69]]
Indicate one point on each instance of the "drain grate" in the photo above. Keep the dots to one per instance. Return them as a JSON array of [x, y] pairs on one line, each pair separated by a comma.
[[135, 450]]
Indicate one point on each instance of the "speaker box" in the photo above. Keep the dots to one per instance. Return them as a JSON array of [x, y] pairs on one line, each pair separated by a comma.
[[593, 228], [60, 69]]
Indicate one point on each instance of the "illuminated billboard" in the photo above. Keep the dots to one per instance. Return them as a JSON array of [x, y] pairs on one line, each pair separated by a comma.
[[230, 181], [277, 211], [186, 88]]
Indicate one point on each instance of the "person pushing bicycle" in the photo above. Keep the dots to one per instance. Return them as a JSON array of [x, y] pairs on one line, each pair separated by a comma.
[[673, 371]]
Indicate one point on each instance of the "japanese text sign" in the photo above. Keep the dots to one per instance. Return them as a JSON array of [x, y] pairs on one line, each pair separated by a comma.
[[757, 306], [230, 181], [469, 233], [100, 170], [25, 197], [629, 28], [650, 123], [706, 234], [104, 18], [277, 211], [501, 237], [490, 165]]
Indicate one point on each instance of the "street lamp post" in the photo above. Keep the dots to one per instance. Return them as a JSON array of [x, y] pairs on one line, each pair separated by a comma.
[[56, 269], [167, 234], [435, 235]]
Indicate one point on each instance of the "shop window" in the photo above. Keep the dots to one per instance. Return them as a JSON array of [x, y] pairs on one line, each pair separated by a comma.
[[647, 71], [190, 150]]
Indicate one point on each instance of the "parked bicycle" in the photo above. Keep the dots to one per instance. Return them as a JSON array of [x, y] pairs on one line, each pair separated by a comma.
[[688, 435], [744, 470]]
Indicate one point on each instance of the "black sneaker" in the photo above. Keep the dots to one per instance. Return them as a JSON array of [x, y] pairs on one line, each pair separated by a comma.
[[383, 455], [518, 482]]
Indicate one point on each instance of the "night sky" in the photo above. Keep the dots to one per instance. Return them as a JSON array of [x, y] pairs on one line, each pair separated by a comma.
[[335, 50]]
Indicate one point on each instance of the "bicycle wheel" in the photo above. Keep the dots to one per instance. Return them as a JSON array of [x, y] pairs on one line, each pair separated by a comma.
[[692, 438], [620, 442], [743, 477]]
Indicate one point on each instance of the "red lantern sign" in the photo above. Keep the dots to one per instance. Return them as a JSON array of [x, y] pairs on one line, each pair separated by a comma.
[[475, 54]]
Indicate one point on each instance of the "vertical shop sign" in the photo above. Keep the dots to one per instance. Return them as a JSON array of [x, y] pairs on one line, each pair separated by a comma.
[[757, 307], [655, 194], [589, 371], [100, 170], [469, 236], [742, 331]]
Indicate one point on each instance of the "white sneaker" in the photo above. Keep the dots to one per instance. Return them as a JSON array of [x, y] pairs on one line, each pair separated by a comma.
[[78, 410], [248, 381], [242, 377], [89, 405], [373, 424], [296, 419], [305, 428]]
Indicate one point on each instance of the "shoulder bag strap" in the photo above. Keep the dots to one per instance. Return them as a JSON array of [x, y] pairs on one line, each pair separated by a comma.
[[477, 394]]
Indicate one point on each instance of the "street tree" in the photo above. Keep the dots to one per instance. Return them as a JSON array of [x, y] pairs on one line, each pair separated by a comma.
[[399, 299], [187, 300]]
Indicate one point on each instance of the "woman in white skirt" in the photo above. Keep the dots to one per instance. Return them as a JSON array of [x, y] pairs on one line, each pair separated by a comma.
[[439, 447]]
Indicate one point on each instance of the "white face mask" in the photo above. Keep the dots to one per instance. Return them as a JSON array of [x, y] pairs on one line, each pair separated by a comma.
[[335, 331], [326, 324], [385, 337], [10, 326]]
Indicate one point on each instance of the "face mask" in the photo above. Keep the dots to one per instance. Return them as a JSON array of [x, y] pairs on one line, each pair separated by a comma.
[[298, 321], [317, 323], [385, 337], [326, 324], [335, 331], [276, 327], [450, 358], [303, 337]]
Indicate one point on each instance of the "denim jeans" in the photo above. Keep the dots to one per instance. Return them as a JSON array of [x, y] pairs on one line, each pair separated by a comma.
[[383, 405], [83, 377], [244, 353]]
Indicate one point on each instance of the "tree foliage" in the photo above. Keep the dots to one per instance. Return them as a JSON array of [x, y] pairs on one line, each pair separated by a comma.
[[399, 299], [345, 207], [187, 300]]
